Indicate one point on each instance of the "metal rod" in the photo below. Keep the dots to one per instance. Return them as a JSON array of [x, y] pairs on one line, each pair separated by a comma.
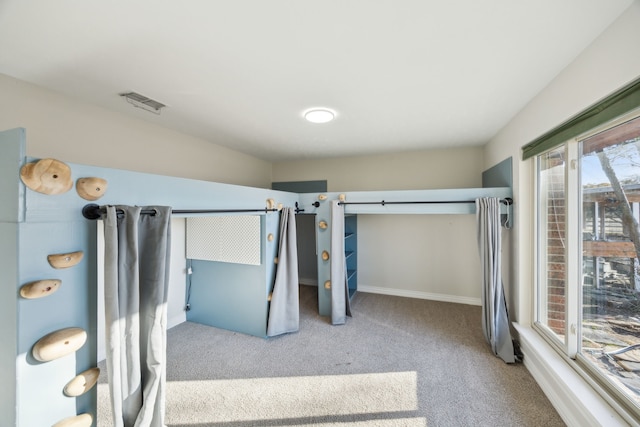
[[93, 211], [507, 201], [298, 210]]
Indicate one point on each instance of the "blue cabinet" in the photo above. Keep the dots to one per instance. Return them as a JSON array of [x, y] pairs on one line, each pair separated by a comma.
[[351, 252]]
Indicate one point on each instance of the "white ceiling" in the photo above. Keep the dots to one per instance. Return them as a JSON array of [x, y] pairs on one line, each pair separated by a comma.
[[402, 74]]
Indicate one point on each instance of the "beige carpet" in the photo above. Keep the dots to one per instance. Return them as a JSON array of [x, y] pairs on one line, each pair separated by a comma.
[[397, 362]]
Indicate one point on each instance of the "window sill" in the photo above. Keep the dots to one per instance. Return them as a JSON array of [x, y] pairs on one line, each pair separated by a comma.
[[573, 397]]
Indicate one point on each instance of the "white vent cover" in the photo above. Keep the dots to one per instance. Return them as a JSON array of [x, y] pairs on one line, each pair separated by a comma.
[[233, 239], [141, 101]]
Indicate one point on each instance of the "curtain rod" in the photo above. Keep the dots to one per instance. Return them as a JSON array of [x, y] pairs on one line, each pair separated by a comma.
[[93, 211], [507, 201]]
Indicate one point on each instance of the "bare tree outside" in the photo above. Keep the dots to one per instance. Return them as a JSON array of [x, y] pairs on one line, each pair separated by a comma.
[[611, 250]]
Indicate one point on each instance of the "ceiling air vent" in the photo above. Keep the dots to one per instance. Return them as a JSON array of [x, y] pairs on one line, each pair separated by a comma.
[[143, 102]]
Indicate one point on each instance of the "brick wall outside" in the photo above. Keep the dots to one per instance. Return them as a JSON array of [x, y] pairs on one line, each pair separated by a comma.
[[556, 265]]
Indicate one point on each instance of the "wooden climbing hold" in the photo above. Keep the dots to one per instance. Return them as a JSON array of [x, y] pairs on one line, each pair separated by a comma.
[[91, 188], [325, 255], [82, 382], [271, 204], [65, 260], [82, 420], [40, 288], [59, 344], [47, 176]]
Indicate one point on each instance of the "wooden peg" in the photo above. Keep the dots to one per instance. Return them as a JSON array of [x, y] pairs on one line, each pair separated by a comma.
[[342, 197], [82, 382], [65, 260], [47, 176], [59, 344], [322, 224], [322, 197], [270, 237], [91, 188], [40, 288], [271, 204], [325, 255], [82, 420], [327, 284]]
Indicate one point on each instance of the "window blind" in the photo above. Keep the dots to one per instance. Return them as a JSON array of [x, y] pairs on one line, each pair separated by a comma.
[[615, 105]]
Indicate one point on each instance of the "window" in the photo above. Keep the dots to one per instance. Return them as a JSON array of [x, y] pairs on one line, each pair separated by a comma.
[[588, 287]]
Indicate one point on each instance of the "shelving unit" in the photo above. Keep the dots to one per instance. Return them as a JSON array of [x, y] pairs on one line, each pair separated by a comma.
[[351, 252]]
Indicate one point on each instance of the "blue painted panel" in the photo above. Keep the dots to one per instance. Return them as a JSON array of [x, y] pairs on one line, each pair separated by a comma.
[[319, 186], [229, 296], [134, 188], [8, 321], [270, 252], [12, 146], [500, 175], [73, 305], [465, 194], [12, 149]]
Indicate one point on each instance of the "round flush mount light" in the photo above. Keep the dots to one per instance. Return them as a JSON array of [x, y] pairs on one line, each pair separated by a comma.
[[319, 115]]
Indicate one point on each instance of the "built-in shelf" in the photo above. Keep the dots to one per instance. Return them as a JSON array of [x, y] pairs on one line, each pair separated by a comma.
[[351, 252]]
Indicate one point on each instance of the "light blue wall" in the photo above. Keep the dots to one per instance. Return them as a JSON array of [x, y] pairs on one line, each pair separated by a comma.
[[13, 149], [235, 296]]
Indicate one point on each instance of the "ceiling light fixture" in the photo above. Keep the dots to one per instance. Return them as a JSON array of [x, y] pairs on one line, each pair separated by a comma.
[[319, 115]]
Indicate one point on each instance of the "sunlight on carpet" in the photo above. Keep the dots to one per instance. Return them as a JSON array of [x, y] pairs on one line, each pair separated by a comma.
[[292, 398], [404, 422]]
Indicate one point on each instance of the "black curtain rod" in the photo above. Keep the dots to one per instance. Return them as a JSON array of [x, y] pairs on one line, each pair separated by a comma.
[[507, 201], [93, 211], [298, 210]]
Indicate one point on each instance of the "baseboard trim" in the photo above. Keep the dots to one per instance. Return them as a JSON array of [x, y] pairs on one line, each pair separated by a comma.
[[419, 295], [575, 400]]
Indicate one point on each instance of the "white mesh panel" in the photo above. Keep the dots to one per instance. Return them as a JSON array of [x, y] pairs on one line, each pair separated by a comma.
[[233, 239]]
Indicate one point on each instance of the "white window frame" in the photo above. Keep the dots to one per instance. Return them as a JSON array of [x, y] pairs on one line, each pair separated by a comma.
[[573, 283]]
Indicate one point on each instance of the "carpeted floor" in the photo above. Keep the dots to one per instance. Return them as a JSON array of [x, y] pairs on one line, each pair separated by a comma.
[[397, 362]]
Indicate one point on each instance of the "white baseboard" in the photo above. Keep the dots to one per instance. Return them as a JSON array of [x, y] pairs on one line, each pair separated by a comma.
[[575, 400], [419, 295]]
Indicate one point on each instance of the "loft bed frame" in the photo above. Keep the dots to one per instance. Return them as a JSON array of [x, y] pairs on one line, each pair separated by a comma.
[[34, 226]]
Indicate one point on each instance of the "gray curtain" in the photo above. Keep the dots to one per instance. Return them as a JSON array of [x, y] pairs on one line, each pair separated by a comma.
[[284, 309], [137, 249], [495, 319], [340, 306]]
